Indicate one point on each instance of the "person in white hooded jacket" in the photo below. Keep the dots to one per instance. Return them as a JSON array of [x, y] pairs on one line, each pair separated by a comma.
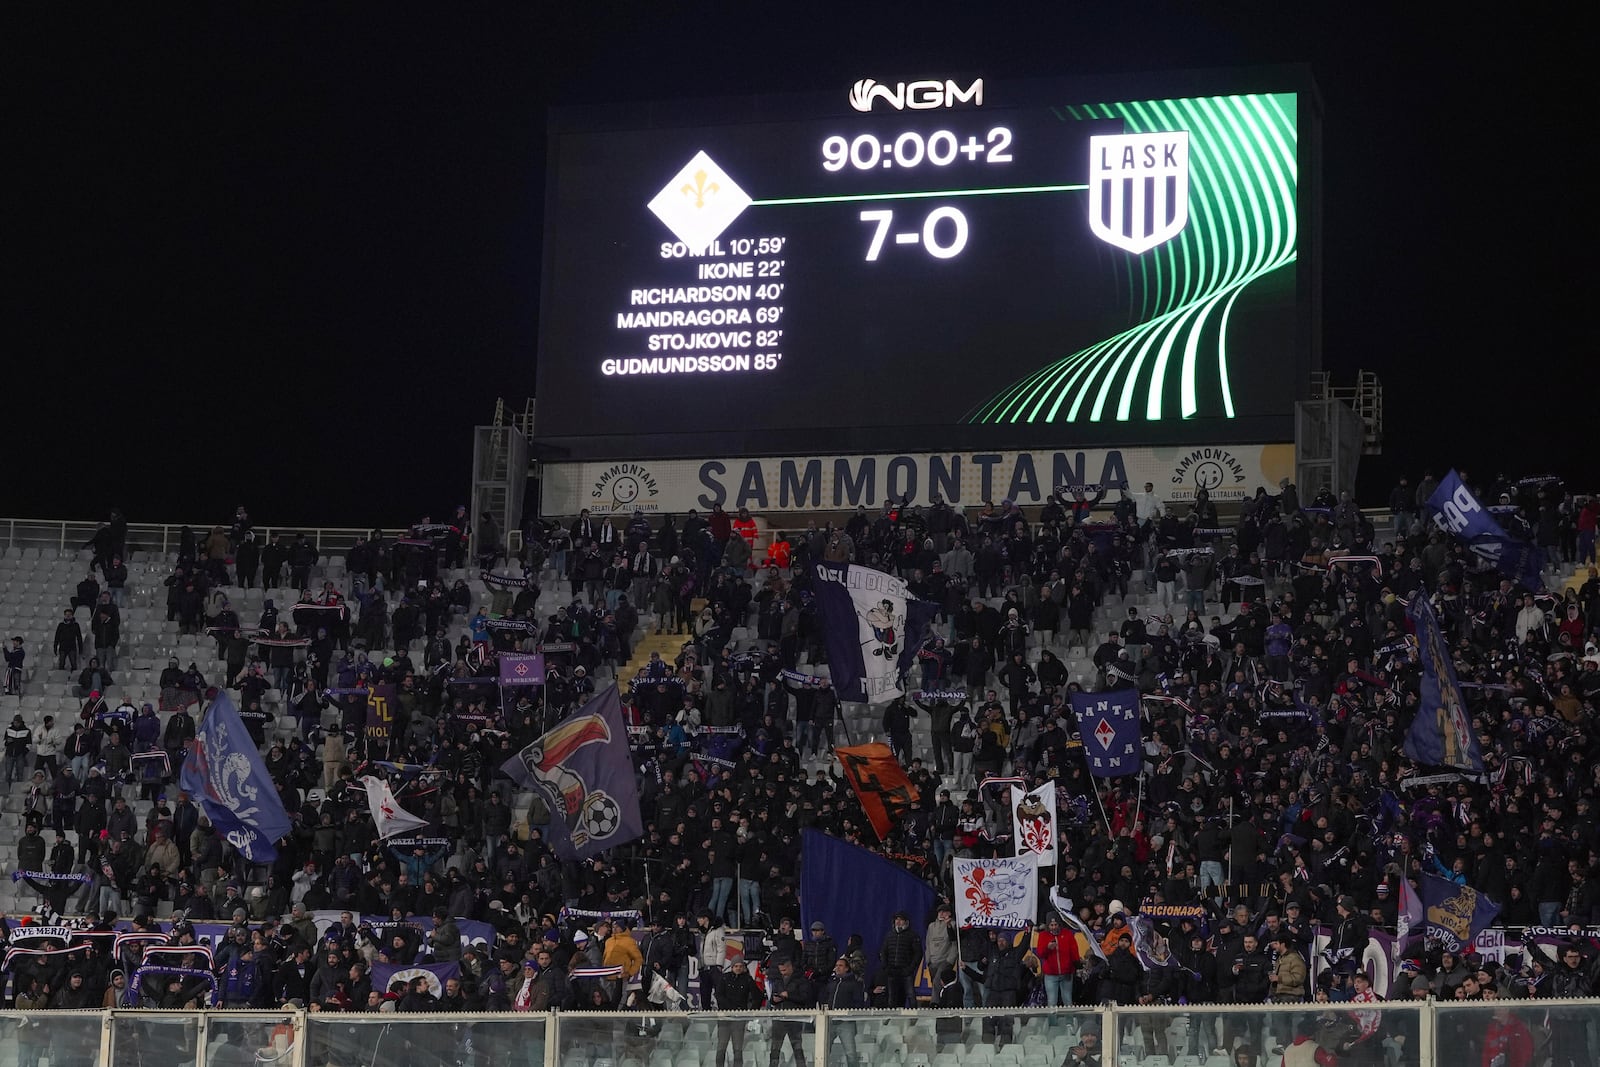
[[1529, 620], [713, 955]]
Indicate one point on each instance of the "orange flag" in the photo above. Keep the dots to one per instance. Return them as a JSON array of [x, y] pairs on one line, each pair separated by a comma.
[[880, 783]]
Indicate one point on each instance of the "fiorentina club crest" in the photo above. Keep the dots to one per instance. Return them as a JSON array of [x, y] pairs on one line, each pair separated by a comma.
[[1105, 733], [1038, 829]]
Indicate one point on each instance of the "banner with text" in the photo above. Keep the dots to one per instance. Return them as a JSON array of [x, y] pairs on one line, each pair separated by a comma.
[[963, 479]]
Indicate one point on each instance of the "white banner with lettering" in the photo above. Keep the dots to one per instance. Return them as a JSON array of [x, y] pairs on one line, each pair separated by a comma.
[[966, 479]]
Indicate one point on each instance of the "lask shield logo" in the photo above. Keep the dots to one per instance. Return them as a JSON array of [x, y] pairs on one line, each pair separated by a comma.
[[1138, 188]]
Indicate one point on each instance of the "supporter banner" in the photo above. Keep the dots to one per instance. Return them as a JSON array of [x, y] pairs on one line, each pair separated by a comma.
[[391, 819], [633, 916], [419, 842], [1033, 824], [837, 483], [225, 774], [582, 771], [873, 627], [39, 932], [1378, 962], [1457, 511], [385, 975], [1441, 735], [521, 668], [1109, 725], [503, 581], [521, 626], [877, 889], [380, 713], [1148, 943], [933, 696], [1453, 914], [46, 876], [194, 982], [880, 784], [999, 893]]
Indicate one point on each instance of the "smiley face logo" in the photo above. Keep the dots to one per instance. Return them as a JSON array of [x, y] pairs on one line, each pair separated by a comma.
[[625, 490], [1208, 475]]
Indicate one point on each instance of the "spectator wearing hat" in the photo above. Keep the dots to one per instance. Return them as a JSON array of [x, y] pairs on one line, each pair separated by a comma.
[[941, 942], [1289, 972], [1057, 949], [819, 951]]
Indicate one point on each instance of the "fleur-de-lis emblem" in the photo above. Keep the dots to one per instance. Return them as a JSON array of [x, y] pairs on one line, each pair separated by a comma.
[[700, 188]]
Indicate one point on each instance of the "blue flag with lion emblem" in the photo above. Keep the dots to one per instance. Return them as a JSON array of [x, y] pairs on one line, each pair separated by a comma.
[[582, 771], [224, 772], [1454, 915]]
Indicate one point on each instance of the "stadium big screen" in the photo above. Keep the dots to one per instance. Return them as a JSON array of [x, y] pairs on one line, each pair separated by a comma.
[[950, 262]]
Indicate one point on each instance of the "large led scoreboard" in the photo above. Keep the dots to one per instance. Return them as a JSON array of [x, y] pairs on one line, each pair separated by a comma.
[[933, 263]]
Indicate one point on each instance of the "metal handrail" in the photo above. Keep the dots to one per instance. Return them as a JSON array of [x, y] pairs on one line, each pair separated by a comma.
[[69, 535]]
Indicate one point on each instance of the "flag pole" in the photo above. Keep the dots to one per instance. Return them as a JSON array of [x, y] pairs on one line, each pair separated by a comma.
[[1138, 804], [1101, 804]]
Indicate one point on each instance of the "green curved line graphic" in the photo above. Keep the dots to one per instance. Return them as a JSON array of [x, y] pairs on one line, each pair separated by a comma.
[[1242, 226]]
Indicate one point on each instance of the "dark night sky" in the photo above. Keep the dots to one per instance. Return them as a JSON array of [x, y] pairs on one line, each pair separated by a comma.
[[289, 258]]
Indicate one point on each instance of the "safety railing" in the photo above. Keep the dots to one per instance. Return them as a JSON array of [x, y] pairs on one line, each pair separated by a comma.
[[69, 535], [1418, 1033]]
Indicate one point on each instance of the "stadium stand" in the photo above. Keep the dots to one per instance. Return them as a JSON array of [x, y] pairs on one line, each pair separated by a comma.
[[1263, 831]]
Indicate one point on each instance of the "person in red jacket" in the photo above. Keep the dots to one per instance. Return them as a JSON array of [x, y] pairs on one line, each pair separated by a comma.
[[1588, 519], [745, 526], [721, 529], [1507, 1042], [1057, 949]]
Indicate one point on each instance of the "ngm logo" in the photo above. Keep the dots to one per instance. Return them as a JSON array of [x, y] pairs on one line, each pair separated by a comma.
[[926, 95]]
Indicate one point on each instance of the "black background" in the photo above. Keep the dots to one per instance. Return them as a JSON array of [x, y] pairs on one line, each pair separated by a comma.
[[888, 354], [288, 255]]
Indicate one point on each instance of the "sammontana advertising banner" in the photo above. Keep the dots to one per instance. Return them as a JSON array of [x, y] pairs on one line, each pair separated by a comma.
[[964, 479]]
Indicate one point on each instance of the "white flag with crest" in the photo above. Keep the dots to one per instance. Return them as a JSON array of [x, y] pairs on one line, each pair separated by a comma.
[[1033, 824], [391, 818]]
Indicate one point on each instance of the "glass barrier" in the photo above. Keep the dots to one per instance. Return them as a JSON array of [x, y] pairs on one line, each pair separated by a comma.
[[263, 1037], [49, 1039], [1541, 1033], [168, 1038], [954, 1038], [1263, 1035], [623, 1040], [386, 1039], [1518, 1033]]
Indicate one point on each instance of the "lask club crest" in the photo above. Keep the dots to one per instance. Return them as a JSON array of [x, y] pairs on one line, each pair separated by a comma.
[[1138, 188]]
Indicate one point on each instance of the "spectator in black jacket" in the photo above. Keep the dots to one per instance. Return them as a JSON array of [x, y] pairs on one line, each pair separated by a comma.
[[790, 989], [736, 991], [900, 953], [68, 642], [1006, 983]]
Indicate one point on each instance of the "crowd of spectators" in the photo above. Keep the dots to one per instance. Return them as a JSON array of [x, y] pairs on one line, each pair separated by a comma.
[[1275, 794]]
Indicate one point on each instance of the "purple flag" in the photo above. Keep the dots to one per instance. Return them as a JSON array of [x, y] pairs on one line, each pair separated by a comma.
[[582, 771], [1109, 723], [437, 974], [521, 668]]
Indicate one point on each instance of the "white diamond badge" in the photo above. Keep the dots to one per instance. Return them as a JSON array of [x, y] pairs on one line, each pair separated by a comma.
[[699, 203]]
